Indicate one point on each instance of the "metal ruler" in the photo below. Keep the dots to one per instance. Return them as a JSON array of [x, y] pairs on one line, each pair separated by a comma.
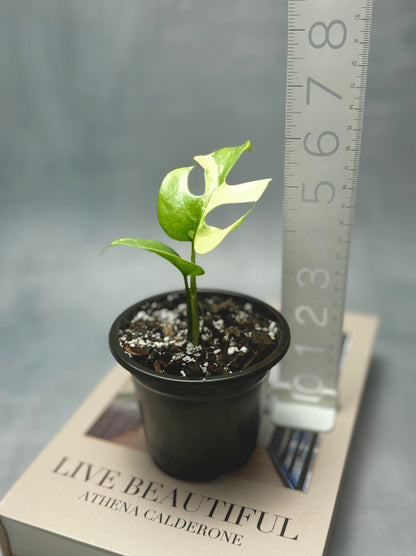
[[328, 43]]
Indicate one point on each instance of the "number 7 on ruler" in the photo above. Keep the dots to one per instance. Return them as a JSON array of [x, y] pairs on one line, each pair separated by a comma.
[[328, 45]]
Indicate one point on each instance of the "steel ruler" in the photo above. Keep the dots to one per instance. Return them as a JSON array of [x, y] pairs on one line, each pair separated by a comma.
[[328, 43]]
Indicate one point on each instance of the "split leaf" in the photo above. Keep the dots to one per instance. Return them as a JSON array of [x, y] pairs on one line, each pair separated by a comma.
[[182, 214]]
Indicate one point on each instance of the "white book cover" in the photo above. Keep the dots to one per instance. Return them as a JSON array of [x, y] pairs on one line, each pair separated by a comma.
[[94, 490]]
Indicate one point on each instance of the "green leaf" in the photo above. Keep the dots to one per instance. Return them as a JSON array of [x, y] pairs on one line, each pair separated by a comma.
[[182, 214], [178, 210], [186, 267], [218, 164]]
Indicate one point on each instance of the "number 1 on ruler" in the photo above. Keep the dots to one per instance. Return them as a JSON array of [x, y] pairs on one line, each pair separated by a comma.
[[326, 78]]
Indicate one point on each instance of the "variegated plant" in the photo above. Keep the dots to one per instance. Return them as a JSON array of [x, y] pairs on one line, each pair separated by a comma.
[[183, 215]]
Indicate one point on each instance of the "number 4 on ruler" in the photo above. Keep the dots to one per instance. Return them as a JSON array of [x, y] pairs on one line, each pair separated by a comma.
[[328, 46]]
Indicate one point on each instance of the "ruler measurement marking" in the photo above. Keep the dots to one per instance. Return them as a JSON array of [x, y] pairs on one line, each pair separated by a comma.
[[324, 115]]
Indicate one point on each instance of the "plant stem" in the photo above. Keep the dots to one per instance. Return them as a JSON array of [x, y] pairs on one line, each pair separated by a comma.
[[193, 311], [188, 308]]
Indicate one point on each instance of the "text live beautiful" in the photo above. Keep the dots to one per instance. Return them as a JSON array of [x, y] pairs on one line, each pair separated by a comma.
[[126, 495]]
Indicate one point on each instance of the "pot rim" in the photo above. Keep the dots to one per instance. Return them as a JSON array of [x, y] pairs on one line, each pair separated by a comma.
[[141, 372]]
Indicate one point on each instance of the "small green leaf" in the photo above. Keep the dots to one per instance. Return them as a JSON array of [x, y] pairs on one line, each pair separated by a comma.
[[182, 214], [186, 267]]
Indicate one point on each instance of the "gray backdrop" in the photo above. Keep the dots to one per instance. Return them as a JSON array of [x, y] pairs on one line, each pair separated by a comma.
[[98, 101]]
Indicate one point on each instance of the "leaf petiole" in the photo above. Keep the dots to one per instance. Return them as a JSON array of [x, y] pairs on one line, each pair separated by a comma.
[[193, 330]]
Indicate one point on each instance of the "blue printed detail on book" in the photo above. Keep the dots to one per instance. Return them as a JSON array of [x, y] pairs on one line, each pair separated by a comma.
[[293, 454]]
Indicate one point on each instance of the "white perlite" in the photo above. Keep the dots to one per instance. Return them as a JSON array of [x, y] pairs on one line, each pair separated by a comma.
[[231, 336], [142, 316], [273, 329]]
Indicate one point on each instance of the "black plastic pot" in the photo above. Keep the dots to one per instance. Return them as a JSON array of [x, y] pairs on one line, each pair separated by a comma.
[[197, 429]]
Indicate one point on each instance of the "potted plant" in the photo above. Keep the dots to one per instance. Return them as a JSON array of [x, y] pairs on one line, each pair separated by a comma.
[[199, 358]]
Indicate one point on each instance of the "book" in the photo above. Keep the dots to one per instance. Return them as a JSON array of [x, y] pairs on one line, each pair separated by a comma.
[[94, 490]]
